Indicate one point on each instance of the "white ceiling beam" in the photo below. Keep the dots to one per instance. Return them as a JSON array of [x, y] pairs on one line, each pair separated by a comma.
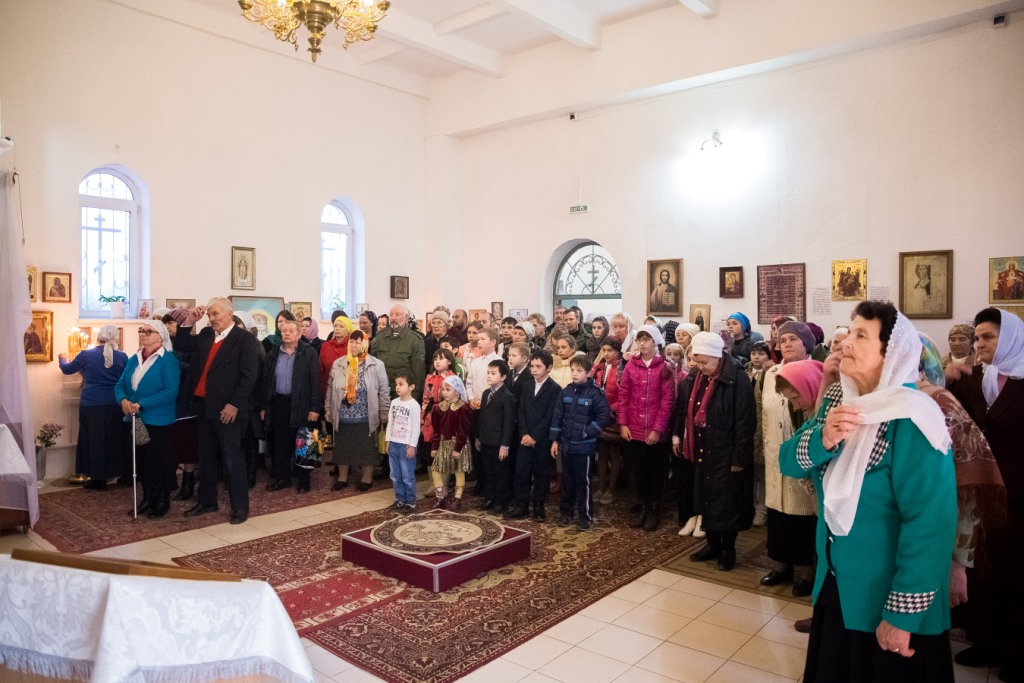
[[416, 33], [378, 50], [558, 19], [470, 17], [705, 8]]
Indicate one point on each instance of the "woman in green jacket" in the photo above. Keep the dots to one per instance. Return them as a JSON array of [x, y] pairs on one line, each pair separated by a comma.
[[878, 455]]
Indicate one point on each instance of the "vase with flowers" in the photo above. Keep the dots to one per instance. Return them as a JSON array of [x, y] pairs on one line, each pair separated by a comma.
[[47, 438]]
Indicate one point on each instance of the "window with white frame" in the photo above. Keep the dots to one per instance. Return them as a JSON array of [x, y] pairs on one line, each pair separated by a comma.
[[337, 260], [111, 241]]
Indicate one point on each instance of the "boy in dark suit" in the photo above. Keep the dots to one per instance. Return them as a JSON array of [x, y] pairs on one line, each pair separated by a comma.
[[495, 426], [533, 462]]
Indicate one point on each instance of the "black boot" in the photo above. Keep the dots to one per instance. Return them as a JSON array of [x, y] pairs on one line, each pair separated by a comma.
[[145, 504], [162, 503], [188, 485], [641, 520], [653, 518]]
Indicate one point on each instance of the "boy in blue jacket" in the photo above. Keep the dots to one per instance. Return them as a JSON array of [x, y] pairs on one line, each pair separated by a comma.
[[579, 414]]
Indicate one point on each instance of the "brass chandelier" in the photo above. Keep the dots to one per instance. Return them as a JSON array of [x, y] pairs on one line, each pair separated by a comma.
[[357, 18]]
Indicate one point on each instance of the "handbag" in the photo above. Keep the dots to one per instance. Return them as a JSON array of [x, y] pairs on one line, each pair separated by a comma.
[[382, 440], [141, 433], [309, 449]]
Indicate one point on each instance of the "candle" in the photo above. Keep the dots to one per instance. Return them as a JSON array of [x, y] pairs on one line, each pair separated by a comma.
[[78, 341]]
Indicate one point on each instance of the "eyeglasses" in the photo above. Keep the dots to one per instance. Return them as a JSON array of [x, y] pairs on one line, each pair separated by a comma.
[[146, 333]]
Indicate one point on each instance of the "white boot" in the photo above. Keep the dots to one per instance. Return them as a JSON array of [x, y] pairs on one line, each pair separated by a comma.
[[698, 531], [689, 527]]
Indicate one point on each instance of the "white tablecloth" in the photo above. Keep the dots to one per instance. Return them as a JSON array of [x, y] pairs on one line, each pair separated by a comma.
[[84, 625], [18, 489]]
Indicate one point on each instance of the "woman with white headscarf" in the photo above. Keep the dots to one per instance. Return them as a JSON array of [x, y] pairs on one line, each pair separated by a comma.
[[148, 388], [100, 454], [993, 396], [878, 454]]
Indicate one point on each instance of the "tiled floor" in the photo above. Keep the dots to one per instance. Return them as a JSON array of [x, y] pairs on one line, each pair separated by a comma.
[[660, 628]]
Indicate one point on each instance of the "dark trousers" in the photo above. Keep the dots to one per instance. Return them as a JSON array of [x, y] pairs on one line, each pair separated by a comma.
[[726, 540], [479, 469], [282, 437], [155, 464], [575, 484], [533, 474], [222, 442], [684, 489], [498, 475], [650, 465]]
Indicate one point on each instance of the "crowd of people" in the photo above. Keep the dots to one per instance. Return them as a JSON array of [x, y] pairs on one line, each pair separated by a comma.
[[887, 477]]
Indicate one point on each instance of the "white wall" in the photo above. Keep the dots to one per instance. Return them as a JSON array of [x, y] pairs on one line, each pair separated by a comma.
[[238, 146], [910, 147]]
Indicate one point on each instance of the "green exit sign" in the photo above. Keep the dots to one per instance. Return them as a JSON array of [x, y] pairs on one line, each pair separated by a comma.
[[579, 208]]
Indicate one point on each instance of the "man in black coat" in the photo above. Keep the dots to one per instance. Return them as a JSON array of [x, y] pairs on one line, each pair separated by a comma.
[[221, 376], [533, 461], [495, 427]]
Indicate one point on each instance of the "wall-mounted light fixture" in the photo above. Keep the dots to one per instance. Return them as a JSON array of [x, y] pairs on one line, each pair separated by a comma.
[[714, 141]]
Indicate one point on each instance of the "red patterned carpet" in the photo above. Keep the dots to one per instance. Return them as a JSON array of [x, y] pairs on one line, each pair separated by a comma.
[[80, 520], [411, 634]]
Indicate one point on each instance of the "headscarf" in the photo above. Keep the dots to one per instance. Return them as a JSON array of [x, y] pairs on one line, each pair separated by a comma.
[[108, 336], [356, 355], [163, 310], [802, 331], [372, 317], [314, 329], [964, 329], [889, 401], [670, 329], [656, 323], [247, 320], [930, 366], [527, 328], [805, 377], [742, 319], [165, 336], [627, 343], [443, 314], [348, 326], [1008, 359], [655, 333], [457, 384], [690, 329], [178, 315], [707, 344]]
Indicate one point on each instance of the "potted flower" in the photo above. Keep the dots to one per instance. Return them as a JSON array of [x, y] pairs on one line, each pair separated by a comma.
[[117, 305], [47, 438]]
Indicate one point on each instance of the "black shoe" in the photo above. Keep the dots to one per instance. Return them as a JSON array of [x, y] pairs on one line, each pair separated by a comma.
[[539, 514], [583, 525], [727, 559], [188, 485], [802, 588], [302, 487], [200, 509], [486, 505], [144, 506], [239, 516], [653, 519], [982, 654], [279, 484], [339, 485], [564, 519], [517, 512], [639, 521], [774, 578], [161, 506], [500, 509], [364, 486], [708, 552], [334, 472]]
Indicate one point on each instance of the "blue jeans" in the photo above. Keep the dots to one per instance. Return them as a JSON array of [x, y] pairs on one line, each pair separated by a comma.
[[403, 473]]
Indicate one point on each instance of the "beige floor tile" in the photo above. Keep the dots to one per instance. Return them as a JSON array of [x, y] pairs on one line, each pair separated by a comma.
[[148, 546], [781, 630], [736, 618], [40, 541], [759, 603], [621, 643], [575, 629], [704, 589], [681, 663], [653, 622], [238, 533], [638, 591], [10, 541], [637, 675], [608, 609], [537, 678], [771, 656], [497, 671], [734, 672], [162, 556], [679, 603], [348, 511], [714, 640], [796, 610], [537, 651], [325, 661], [577, 665], [202, 544], [660, 577]]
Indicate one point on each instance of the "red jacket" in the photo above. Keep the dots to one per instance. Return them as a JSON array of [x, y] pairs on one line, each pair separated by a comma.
[[646, 397]]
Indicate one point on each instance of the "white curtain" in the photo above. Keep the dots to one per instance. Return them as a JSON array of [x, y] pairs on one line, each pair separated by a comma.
[[17, 491]]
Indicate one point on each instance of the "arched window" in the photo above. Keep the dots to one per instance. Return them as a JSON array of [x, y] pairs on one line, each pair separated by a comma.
[[337, 260], [111, 226], [587, 277]]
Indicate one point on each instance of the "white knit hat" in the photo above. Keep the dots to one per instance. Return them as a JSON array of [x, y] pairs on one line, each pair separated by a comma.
[[707, 344], [654, 332]]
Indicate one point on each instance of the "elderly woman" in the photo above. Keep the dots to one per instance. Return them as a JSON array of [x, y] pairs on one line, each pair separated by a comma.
[[841, 333], [310, 330], [437, 329], [684, 334], [148, 389], [272, 340], [993, 395], [356, 403], [790, 503], [647, 391], [331, 350], [100, 454], [961, 347], [714, 434], [367, 322], [291, 399], [878, 455]]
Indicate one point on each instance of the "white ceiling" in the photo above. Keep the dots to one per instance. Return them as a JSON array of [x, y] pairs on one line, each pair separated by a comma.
[[434, 38]]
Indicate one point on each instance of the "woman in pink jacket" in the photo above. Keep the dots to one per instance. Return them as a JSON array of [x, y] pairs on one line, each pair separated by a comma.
[[647, 391]]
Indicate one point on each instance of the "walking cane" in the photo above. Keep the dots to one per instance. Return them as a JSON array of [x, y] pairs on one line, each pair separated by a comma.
[[135, 490]]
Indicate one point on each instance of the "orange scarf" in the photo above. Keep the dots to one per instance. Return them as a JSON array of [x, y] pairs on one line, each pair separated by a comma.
[[354, 361]]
